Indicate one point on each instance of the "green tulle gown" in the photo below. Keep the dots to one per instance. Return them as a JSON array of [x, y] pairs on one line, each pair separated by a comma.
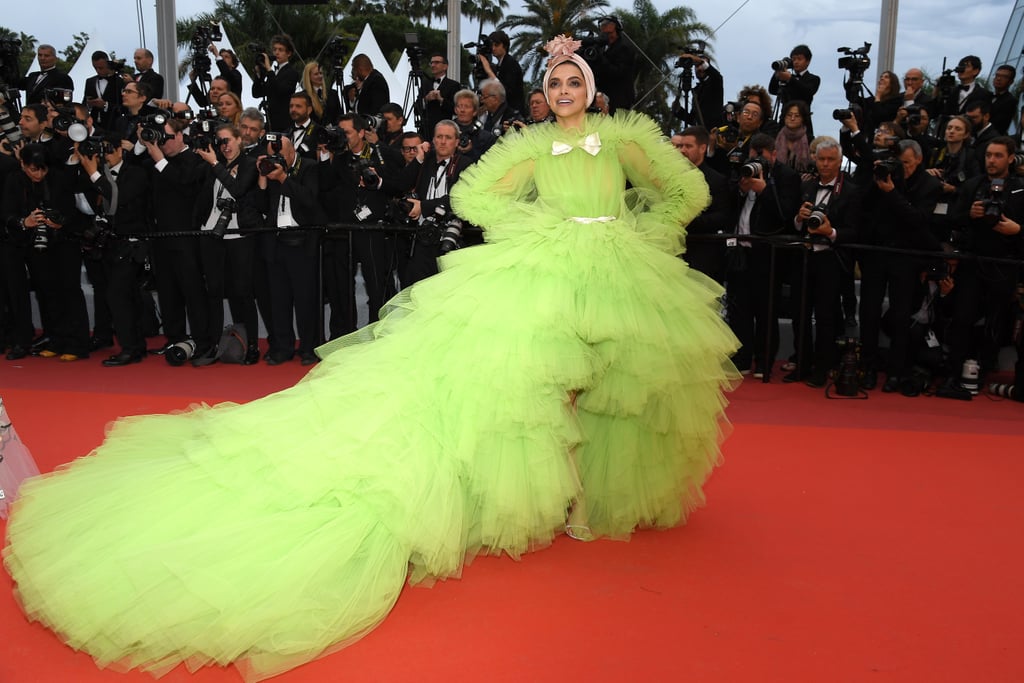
[[270, 533]]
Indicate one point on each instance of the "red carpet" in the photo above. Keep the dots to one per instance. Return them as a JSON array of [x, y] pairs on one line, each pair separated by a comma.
[[842, 541]]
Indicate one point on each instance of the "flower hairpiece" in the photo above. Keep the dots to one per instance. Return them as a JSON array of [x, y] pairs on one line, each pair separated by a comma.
[[562, 46]]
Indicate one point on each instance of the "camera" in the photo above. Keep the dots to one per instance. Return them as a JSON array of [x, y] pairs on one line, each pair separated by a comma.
[[842, 114], [729, 133], [592, 46], [334, 138], [96, 236], [227, 210], [153, 128], [442, 228], [697, 48], [399, 208], [730, 110], [204, 35], [993, 201], [95, 145], [818, 216], [334, 53], [59, 97], [856, 62], [937, 271], [784, 64], [269, 163], [177, 354], [374, 121], [756, 167], [41, 233], [203, 133], [913, 115], [117, 66], [885, 167], [484, 45], [362, 170], [466, 136]]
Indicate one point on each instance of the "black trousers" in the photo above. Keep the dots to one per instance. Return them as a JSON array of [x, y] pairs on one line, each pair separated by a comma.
[[228, 266], [179, 287], [14, 261], [749, 295], [981, 290], [57, 278], [375, 254], [102, 324], [824, 283], [124, 262], [293, 278], [899, 275], [416, 260]]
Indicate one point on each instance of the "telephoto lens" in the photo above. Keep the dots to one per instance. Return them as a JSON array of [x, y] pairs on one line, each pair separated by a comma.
[[181, 352]]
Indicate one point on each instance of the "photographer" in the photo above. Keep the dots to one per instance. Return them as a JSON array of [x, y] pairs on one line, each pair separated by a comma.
[[474, 139], [730, 143], [768, 197], [392, 126], [499, 113], [37, 207], [218, 88], [708, 94], [970, 90], [436, 170], [355, 180], [36, 83], [226, 203], [989, 212], [227, 67], [706, 256], [615, 67], [305, 133], [103, 91], [830, 216], [369, 91], [507, 70], [124, 198], [899, 206], [437, 96], [275, 81], [134, 99], [979, 113], [289, 187], [1004, 102], [176, 172], [145, 75], [792, 80], [917, 121]]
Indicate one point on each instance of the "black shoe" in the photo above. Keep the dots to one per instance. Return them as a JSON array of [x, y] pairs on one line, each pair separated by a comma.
[[869, 380], [97, 343], [161, 351], [17, 352], [277, 359], [851, 320], [952, 388], [794, 376], [252, 356], [816, 381], [309, 358], [40, 343], [123, 358], [910, 387], [204, 358], [892, 384]]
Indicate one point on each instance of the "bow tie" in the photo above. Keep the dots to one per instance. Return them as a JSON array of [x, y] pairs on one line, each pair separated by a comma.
[[965, 88], [590, 144], [437, 81], [826, 187]]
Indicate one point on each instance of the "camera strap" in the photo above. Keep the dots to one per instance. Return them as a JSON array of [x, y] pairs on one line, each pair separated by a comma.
[[110, 205]]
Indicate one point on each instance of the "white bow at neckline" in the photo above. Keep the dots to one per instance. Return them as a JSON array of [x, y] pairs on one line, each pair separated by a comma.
[[590, 144]]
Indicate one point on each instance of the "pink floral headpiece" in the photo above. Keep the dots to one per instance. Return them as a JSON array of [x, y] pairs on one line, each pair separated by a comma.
[[563, 49]]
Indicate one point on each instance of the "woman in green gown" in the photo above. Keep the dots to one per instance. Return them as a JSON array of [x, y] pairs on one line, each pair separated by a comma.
[[572, 363]]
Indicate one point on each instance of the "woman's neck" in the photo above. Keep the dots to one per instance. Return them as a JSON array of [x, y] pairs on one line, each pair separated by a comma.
[[954, 147], [574, 123]]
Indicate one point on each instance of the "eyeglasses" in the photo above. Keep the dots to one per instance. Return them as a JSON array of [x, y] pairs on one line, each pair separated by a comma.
[[750, 113], [436, 61], [487, 96], [410, 149], [130, 92]]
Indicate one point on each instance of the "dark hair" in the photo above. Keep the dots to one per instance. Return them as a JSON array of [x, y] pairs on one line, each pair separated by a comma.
[[501, 38], [100, 54], [34, 154], [230, 127], [285, 40], [231, 53], [302, 95], [1006, 141], [113, 138], [38, 110], [177, 125], [763, 99], [442, 55], [974, 61], [1008, 67], [762, 142], [393, 109], [362, 60], [802, 109], [143, 89], [895, 127], [358, 122], [699, 133], [801, 50], [409, 135], [982, 105], [535, 91], [894, 85]]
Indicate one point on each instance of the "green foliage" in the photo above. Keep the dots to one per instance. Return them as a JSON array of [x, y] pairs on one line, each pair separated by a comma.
[[544, 20], [28, 47], [74, 51]]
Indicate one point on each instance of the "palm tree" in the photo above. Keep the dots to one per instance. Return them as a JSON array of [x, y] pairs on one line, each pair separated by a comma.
[[659, 39], [544, 20], [486, 11]]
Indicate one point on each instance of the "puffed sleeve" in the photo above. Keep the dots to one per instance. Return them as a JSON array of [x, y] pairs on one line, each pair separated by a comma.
[[668, 191]]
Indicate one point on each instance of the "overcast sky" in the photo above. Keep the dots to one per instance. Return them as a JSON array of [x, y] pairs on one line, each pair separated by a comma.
[[759, 33]]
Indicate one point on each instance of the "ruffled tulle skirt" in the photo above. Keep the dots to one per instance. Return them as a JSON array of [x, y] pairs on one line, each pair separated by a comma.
[[269, 533]]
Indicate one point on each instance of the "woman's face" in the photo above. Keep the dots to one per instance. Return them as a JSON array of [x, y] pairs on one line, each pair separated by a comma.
[[793, 119], [883, 83], [956, 131], [226, 107], [316, 77], [567, 90]]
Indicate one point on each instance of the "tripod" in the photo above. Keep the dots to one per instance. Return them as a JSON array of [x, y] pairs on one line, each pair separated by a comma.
[[411, 102], [682, 107]]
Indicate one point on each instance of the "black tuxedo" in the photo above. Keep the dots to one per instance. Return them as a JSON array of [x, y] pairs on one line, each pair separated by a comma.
[[1004, 111], [978, 93], [615, 72], [331, 104], [232, 76], [37, 83], [709, 257], [511, 76], [750, 292], [277, 87], [433, 112], [825, 268], [306, 142], [801, 87], [153, 81], [423, 253], [103, 117], [373, 95], [292, 260], [708, 99], [980, 142]]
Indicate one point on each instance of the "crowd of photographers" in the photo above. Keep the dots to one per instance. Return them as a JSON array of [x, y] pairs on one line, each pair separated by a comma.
[[928, 212], [933, 172]]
